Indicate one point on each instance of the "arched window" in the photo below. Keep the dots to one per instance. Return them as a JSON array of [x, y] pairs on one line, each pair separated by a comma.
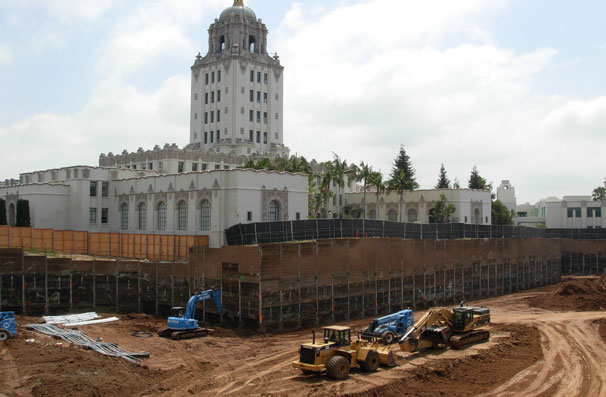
[[273, 214], [205, 215], [356, 214], [222, 44], [124, 216], [372, 214], [412, 216], [11, 214], [161, 216], [182, 216], [142, 216], [392, 215], [251, 44]]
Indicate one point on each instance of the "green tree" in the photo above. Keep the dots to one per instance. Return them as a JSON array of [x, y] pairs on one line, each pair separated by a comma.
[[400, 184], [338, 177], [375, 180], [402, 164], [477, 182], [441, 211], [500, 214], [363, 174], [443, 181], [456, 184], [23, 219], [2, 212], [599, 193]]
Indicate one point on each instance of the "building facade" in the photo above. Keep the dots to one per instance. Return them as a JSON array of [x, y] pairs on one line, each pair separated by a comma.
[[575, 212], [471, 206], [98, 199]]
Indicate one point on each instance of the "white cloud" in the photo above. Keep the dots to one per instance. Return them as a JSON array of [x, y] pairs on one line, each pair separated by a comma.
[[6, 54], [117, 117], [154, 30], [366, 77], [66, 9]]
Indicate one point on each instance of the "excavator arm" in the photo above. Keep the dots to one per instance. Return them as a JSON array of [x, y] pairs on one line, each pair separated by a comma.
[[433, 328]]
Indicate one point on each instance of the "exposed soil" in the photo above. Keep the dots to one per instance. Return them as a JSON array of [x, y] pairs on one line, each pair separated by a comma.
[[601, 328], [531, 352], [577, 294], [469, 375]]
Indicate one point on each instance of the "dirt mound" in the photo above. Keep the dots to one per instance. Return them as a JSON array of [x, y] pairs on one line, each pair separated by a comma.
[[468, 375], [579, 294], [45, 369]]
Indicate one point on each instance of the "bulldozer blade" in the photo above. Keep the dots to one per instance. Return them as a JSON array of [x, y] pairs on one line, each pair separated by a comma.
[[388, 358]]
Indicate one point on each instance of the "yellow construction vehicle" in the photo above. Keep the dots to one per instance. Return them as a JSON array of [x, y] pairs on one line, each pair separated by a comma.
[[337, 353], [442, 326]]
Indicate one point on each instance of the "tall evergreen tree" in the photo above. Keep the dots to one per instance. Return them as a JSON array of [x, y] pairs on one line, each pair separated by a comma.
[[443, 181], [2, 212], [477, 182], [23, 219], [402, 163], [500, 214], [456, 184], [599, 193]]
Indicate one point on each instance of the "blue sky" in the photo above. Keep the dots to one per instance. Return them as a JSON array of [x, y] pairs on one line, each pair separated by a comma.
[[514, 87]]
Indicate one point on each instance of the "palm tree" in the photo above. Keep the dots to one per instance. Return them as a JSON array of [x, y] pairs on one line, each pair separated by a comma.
[[400, 184], [338, 177], [363, 174], [327, 177], [375, 180]]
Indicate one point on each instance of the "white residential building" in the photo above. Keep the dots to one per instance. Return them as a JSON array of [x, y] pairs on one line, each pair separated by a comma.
[[471, 206]]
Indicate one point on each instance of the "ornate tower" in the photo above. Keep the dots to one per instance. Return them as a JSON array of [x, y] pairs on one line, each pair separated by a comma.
[[237, 88]]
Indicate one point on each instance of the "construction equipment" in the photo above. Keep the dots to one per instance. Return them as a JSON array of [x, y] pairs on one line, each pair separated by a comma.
[[8, 325], [337, 353], [390, 327], [182, 324], [441, 326]]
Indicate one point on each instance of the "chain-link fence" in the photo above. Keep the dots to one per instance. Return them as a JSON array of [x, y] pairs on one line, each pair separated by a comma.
[[275, 232]]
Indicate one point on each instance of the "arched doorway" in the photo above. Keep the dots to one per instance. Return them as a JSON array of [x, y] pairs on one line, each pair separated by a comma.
[[11, 214]]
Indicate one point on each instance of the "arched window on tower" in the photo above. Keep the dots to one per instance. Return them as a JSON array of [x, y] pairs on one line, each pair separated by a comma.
[[182, 216], [222, 44], [161, 221], [142, 214], [273, 215], [124, 216], [205, 215], [251, 44]]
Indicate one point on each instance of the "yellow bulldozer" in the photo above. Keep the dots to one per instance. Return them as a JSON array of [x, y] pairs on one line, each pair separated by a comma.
[[337, 353], [442, 326]]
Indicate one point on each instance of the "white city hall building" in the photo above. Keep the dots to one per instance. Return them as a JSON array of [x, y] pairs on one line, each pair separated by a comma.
[[236, 115]]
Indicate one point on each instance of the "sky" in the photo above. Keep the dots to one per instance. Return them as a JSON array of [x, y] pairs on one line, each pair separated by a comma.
[[513, 87]]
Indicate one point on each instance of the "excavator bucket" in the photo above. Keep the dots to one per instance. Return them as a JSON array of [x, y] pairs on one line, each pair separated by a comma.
[[387, 356], [437, 334]]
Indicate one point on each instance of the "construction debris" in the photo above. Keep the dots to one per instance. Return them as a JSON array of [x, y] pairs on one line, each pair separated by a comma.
[[98, 321], [72, 318], [80, 339]]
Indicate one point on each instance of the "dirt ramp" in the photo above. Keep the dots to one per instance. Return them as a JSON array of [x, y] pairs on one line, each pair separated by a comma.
[[578, 294], [468, 375]]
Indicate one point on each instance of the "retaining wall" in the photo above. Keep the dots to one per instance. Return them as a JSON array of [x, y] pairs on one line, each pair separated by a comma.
[[292, 285]]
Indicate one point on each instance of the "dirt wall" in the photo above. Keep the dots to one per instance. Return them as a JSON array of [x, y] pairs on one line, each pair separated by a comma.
[[291, 285]]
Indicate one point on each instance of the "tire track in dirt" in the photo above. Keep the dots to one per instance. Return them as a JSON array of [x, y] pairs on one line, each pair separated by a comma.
[[573, 356]]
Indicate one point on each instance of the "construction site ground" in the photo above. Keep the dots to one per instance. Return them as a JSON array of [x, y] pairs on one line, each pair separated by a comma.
[[541, 344]]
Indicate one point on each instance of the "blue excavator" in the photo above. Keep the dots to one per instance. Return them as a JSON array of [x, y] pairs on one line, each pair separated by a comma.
[[8, 325], [182, 323]]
